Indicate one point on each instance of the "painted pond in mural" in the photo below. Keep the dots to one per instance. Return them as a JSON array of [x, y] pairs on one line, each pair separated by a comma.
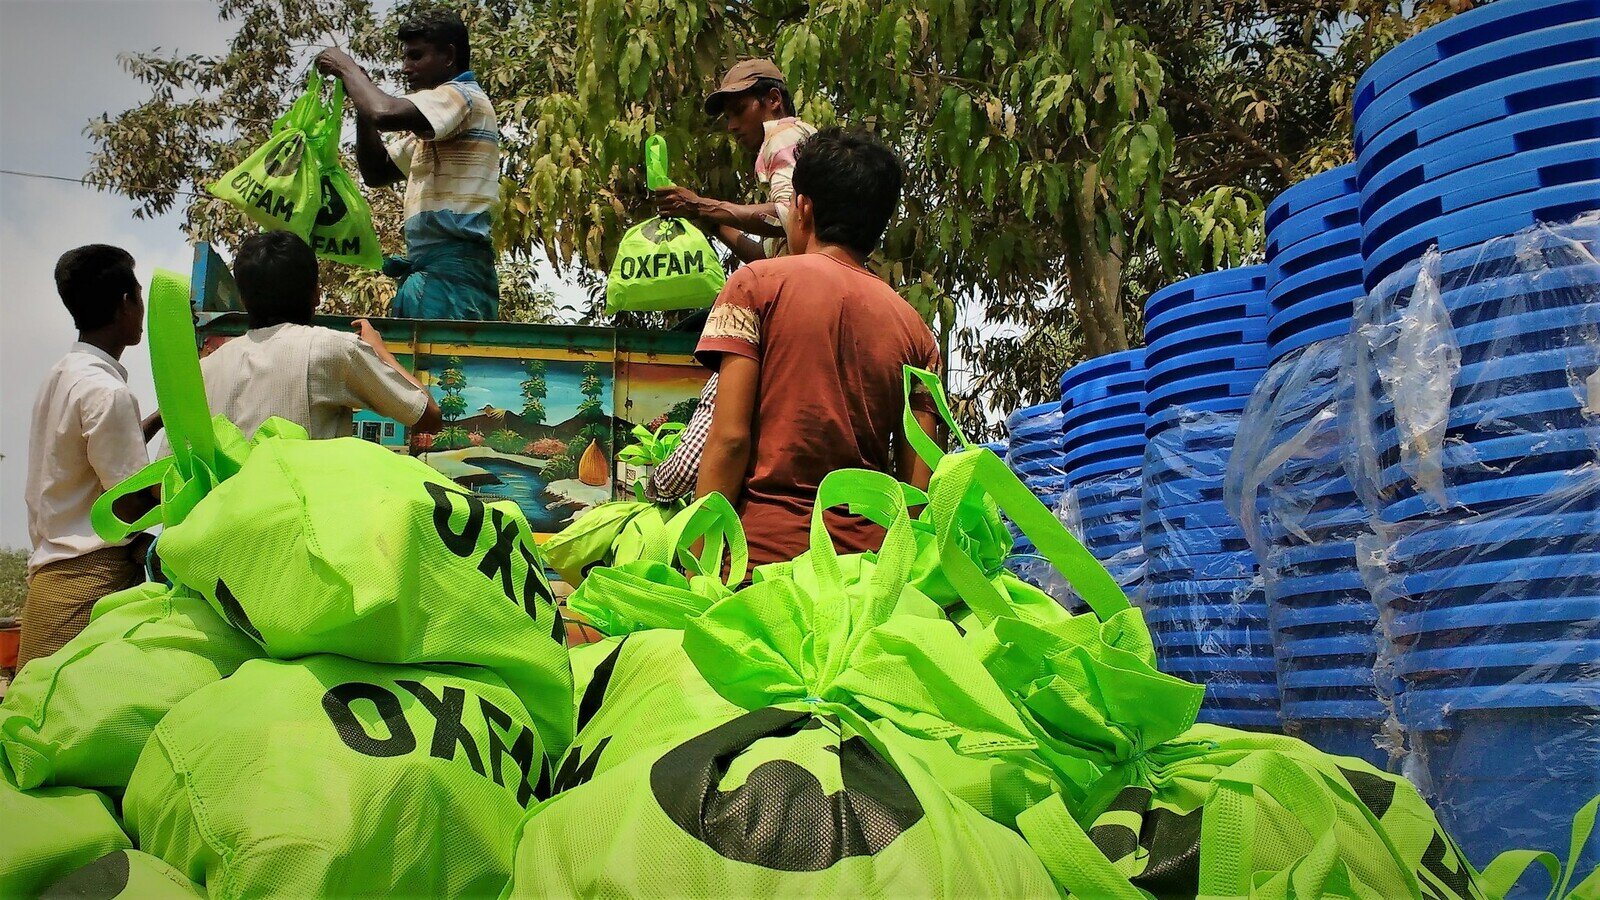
[[524, 486]]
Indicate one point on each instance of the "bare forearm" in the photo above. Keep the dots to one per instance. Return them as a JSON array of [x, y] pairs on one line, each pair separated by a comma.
[[722, 468], [743, 247], [372, 157], [755, 218]]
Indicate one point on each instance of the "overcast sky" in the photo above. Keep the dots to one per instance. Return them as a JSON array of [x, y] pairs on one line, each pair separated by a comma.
[[58, 69]]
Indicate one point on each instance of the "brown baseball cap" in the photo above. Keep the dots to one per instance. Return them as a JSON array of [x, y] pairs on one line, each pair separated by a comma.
[[742, 77]]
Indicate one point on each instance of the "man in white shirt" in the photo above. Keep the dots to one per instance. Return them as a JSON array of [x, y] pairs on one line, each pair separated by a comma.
[[285, 366], [86, 438]]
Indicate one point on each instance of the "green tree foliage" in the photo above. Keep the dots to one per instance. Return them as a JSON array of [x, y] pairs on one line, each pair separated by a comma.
[[1064, 157]]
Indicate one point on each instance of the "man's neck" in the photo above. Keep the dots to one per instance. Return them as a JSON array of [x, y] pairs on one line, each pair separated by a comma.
[[112, 347], [839, 252]]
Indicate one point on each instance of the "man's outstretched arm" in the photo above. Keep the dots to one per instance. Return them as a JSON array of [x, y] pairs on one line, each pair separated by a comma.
[[386, 113]]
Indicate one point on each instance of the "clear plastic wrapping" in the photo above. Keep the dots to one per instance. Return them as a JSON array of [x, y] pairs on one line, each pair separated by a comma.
[[1202, 593], [1288, 484], [1476, 448], [1105, 514]]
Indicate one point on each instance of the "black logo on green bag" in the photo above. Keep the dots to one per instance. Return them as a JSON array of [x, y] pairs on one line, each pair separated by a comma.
[[333, 208], [262, 197], [235, 613], [1170, 840], [285, 158], [450, 734], [658, 265], [659, 231], [780, 818], [497, 560]]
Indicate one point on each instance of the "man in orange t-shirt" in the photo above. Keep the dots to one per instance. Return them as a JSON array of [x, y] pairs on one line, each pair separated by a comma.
[[809, 349]]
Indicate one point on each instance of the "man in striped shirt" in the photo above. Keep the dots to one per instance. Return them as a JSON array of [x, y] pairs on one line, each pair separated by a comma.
[[447, 150], [758, 110]]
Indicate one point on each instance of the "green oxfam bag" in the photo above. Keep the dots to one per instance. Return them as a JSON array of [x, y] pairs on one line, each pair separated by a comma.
[[643, 694], [343, 546], [589, 540], [48, 832], [647, 591], [797, 792], [342, 230], [1172, 808], [661, 263], [81, 715], [124, 875], [279, 185], [331, 777]]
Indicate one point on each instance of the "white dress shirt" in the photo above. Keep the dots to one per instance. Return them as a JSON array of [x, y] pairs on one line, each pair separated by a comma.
[[86, 438]]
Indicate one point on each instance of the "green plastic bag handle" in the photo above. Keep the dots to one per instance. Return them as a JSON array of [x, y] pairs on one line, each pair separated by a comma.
[[980, 468], [1501, 875], [181, 396], [710, 517], [920, 440], [655, 163], [1070, 856]]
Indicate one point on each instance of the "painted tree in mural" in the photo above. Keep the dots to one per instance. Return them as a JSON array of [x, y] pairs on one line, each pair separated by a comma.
[[534, 391], [452, 381], [1063, 156], [592, 410]]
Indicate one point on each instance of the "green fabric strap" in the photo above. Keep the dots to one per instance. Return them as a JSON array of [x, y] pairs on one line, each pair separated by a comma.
[[655, 163], [1070, 857], [713, 518], [889, 574], [1501, 875], [981, 469], [190, 472], [920, 440]]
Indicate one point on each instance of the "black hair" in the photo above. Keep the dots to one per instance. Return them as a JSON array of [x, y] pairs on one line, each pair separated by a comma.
[[763, 85], [93, 281], [441, 28], [854, 184], [277, 276]]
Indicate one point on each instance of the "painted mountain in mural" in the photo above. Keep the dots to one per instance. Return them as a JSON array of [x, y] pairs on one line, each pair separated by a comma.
[[490, 419]]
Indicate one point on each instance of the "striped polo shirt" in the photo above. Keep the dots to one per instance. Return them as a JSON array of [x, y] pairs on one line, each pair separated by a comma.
[[452, 179]]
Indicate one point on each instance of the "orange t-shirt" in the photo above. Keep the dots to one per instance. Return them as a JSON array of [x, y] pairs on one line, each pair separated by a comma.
[[831, 339]]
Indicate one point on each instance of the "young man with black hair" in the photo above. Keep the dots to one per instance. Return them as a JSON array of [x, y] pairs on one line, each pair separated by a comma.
[[759, 112], [448, 153], [285, 366], [86, 438], [809, 350]]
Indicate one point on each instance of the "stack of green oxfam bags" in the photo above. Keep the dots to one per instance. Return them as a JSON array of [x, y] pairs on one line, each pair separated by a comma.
[[296, 182], [355, 686], [832, 729]]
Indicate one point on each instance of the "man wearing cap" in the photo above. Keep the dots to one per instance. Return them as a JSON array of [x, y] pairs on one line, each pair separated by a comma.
[[754, 101]]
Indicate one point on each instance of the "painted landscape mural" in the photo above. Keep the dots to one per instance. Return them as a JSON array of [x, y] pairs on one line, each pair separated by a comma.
[[543, 432]]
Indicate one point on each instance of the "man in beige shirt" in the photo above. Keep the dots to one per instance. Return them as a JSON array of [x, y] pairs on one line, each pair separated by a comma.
[[86, 437], [285, 366]]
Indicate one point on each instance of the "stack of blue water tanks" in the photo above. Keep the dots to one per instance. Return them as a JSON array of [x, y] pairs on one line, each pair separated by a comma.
[[1474, 129], [1323, 616], [1493, 585], [1206, 347], [1034, 451], [1313, 260], [1477, 127], [1103, 430]]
